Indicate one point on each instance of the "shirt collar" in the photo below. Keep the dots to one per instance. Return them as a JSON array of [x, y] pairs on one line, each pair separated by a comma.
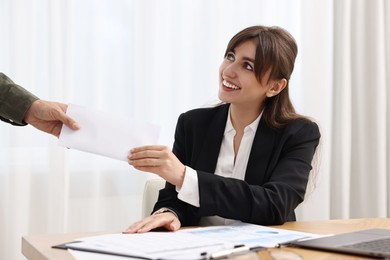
[[253, 126]]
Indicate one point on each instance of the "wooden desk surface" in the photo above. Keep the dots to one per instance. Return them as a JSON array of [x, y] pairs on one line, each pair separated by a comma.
[[36, 247]]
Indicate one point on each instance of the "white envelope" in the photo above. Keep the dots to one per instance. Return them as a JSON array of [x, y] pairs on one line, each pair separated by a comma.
[[108, 135]]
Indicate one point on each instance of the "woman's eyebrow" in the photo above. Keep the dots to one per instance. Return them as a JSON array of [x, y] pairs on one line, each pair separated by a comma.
[[244, 57], [248, 59]]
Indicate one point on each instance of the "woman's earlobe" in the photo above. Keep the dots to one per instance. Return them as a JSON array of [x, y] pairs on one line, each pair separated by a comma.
[[277, 88], [271, 93]]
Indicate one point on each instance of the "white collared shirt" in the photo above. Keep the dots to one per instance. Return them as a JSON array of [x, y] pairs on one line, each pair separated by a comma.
[[226, 167]]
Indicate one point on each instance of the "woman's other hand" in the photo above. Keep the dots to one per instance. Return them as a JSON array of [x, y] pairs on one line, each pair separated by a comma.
[[167, 220]]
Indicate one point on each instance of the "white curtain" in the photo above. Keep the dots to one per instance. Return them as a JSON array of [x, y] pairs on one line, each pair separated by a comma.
[[360, 179], [152, 60]]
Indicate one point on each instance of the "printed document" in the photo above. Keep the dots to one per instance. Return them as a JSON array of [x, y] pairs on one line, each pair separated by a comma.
[[192, 243]]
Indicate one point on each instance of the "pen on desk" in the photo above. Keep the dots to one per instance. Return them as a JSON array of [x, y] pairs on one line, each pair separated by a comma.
[[236, 250], [257, 248]]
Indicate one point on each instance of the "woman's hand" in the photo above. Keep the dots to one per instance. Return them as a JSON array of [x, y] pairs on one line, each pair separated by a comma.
[[167, 220], [160, 160]]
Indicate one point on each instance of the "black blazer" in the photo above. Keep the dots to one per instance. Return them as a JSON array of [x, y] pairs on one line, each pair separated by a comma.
[[276, 176]]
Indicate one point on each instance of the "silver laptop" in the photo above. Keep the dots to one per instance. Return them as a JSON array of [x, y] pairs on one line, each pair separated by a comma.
[[370, 242]]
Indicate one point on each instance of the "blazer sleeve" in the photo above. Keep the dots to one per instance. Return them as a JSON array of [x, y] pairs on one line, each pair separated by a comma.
[[270, 198], [14, 101], [168, 196]]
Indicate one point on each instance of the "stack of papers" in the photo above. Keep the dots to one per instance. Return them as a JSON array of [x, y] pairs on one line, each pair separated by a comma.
[[193, 243]]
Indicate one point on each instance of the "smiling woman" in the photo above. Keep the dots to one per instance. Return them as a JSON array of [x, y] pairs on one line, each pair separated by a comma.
[[248, 159], [261, 49]]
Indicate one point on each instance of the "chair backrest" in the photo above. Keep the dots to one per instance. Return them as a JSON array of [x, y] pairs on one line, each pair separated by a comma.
[[150, 196]]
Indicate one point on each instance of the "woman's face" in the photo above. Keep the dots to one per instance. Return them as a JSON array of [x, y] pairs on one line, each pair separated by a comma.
[[238, 82]]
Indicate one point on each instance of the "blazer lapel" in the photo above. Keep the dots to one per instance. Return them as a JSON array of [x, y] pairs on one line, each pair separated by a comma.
[[207, 160], [261, 153]]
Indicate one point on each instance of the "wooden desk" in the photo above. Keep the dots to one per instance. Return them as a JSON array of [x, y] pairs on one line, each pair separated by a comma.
[[38, 247]]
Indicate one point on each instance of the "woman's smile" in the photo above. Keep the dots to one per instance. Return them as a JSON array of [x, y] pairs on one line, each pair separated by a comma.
[[230, 86]]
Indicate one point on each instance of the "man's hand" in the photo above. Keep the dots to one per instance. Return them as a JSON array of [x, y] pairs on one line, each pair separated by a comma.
[[49, 116]]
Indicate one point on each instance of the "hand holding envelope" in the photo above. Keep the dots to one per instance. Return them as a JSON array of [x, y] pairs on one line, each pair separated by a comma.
[[108, 135]]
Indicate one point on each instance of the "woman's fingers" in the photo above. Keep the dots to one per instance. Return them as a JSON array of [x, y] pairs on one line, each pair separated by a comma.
[[150, 156], [145, 162], [167, 220], [135, 226], [159, 160], [146, 156], [174, 225], [141, 149]]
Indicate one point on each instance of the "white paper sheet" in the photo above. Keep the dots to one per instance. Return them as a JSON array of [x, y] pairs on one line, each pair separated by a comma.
[[104, 134]]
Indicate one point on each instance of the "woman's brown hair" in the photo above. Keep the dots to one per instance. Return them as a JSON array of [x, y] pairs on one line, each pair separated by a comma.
[[276, 51]]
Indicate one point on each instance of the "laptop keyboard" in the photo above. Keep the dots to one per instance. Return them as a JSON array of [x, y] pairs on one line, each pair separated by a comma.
[[380, 245]]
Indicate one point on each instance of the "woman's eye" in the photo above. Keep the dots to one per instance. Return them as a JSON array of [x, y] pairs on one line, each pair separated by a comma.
[[230, 57], [248, 66]]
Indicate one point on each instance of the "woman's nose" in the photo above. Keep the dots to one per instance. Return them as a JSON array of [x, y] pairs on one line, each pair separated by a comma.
[[230, 70]]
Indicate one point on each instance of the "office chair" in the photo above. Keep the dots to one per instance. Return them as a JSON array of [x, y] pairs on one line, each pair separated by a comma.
[[150, 195]]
